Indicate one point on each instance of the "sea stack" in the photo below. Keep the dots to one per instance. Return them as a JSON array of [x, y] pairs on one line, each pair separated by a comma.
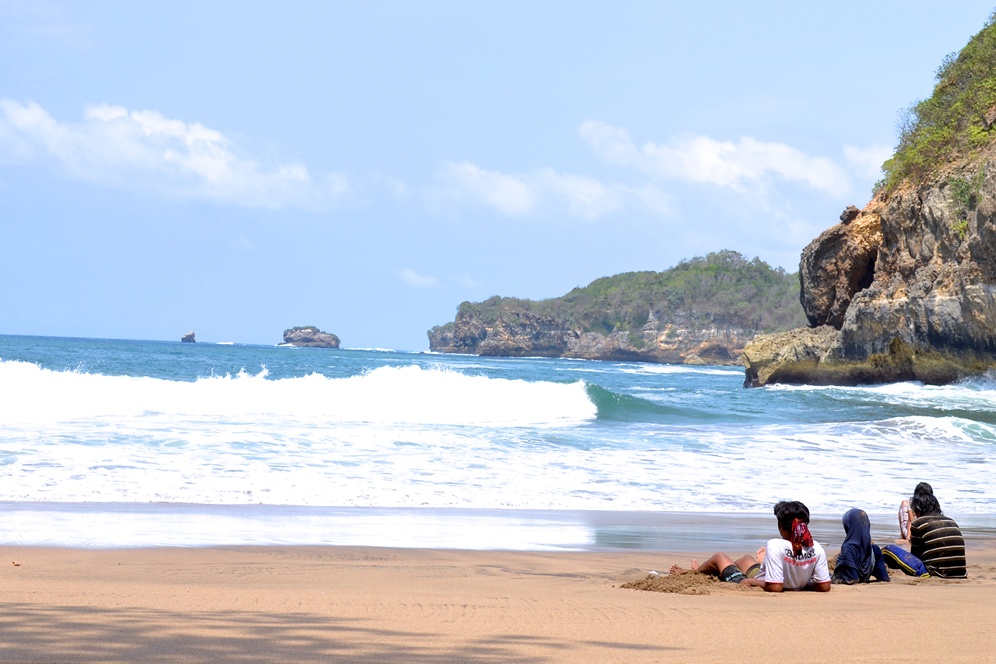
[[310, 336]]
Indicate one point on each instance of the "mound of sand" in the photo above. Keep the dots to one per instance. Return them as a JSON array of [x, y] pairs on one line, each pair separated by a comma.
[[686, 583]]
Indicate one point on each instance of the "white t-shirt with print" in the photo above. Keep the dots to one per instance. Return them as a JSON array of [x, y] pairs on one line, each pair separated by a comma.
[[780, 566]]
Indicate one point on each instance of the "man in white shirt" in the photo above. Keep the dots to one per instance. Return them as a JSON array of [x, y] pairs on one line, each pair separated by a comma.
[[793, 561]]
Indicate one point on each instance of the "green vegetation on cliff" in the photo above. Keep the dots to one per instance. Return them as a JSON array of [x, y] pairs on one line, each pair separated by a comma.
[[723, 289], [956, 121], [310, 335]]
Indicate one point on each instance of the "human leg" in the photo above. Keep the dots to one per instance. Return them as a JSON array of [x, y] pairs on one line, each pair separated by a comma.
[[748, 565], [713, 565], [904, 522], [745, 562], [899, 558], [720, 565]]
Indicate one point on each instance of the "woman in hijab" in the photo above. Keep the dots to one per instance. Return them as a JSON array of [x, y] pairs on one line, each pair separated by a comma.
[[859, 559]]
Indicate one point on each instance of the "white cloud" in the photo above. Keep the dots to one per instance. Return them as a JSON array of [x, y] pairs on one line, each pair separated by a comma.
[[585, 197], [653, 199], [612, 144], [700, 159], [413, 278], [144, 149], [867, 162], [508, 194], [517, 195]]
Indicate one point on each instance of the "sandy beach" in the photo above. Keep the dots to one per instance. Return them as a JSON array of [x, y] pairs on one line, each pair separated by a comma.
[[366, 605]]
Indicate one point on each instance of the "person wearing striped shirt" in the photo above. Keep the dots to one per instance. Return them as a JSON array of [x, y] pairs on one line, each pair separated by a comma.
[[936, 539]]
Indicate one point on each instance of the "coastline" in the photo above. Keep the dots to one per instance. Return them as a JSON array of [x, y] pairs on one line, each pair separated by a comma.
[[134, 525], [368, 604]]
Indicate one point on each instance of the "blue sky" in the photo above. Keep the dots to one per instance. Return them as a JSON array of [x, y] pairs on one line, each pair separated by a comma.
[[237, 168]]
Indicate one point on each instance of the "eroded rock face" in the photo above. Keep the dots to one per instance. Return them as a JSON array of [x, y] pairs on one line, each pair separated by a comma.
[[786, 357], [310, 336], [929, 311], [840, 263], [524, 334]]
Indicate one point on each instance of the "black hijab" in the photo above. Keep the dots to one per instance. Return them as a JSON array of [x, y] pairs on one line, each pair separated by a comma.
[[856, 561]]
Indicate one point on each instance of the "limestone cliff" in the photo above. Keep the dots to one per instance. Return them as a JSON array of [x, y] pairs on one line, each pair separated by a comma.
[[523, 334], [928, 311], [838, 264], [905, 289], [702, 311]]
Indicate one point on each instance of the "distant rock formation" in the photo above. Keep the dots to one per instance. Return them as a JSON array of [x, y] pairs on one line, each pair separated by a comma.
[[188, 337], [702, 311], [310, 336], [524, 334]]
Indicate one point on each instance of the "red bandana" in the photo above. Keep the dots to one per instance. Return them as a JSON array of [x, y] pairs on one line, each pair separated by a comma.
[[800, 536]]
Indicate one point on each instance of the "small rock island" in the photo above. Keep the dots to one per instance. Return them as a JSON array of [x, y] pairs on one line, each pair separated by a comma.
[[188, 338], [311, 337]]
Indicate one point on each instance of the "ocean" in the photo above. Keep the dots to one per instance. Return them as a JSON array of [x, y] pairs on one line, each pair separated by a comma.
[[155, 443]]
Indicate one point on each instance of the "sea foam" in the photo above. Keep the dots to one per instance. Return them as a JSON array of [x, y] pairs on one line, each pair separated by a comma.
[[407, 394]]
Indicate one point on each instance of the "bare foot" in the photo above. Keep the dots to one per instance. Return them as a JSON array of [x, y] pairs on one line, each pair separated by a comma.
[[760, 554], [902, 541], [675, 569]]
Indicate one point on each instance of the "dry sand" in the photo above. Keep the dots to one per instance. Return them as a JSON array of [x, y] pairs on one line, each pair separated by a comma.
[[368, 605]]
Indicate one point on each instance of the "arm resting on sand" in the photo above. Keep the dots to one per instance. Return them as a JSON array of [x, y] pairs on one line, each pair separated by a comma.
[[779, 587], [768, 587]]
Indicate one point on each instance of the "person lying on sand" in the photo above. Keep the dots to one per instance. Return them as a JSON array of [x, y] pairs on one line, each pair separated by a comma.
[[793, 561]]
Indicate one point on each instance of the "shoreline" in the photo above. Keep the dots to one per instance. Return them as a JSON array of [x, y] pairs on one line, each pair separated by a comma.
[[149, 525], [366, 605]]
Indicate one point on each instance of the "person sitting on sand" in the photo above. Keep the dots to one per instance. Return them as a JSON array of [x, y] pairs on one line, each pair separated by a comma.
[[794, 561], [859, 560], [937, 547], [906, 514]]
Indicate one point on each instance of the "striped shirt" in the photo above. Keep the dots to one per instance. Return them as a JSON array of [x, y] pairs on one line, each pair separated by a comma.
[[937, 541]]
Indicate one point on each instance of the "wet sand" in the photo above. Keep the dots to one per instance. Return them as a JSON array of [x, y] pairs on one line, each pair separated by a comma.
[[117, 525], [373, 605]]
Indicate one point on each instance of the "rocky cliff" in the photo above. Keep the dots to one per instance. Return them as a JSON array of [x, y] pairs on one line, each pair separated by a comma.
[[523, 334], [904, 290], [702, 311], [310, 336]]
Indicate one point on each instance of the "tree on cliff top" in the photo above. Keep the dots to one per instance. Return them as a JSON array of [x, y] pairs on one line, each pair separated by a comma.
[[956, 121], [722, 289]]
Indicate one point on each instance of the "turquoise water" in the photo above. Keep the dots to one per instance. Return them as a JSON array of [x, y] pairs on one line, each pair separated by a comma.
[[104, 422]]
